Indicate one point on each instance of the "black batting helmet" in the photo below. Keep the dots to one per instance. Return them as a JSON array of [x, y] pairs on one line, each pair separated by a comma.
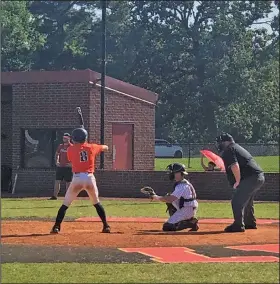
[[79, 135], [176, 168]]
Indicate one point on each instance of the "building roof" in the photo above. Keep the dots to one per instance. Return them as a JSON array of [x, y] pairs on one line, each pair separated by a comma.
[[77, 76]]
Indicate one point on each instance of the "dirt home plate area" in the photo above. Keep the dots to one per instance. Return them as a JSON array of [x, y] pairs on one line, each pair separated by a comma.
[[137, 240]]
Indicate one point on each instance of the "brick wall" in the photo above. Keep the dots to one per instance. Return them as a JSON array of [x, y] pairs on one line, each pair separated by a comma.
[[6, 128], [120, 108], [6, 125], [48, 105], [211, 186]]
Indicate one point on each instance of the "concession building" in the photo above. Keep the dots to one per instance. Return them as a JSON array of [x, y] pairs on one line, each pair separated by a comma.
[[38, 107]]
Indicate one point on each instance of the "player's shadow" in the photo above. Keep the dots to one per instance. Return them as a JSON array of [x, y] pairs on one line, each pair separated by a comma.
[[159, 233], [24, 236]]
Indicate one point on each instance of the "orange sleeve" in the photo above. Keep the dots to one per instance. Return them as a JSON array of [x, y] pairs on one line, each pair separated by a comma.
[[97, 148]]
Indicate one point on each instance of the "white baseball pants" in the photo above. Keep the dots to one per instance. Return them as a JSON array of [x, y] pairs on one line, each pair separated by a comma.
[[185, 213], [82, 181]]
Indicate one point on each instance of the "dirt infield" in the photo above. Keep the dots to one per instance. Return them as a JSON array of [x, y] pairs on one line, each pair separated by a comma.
[[130, 234]]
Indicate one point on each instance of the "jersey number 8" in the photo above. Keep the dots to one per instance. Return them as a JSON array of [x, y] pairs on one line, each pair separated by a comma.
[[83, 156]]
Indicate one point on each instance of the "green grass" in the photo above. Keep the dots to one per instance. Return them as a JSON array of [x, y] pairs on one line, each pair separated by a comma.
[[13, 208], [133, 273], [268, 163], [140, 273]]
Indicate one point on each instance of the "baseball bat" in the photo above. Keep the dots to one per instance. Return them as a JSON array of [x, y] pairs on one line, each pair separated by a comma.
[[80, 116], [15, 181]]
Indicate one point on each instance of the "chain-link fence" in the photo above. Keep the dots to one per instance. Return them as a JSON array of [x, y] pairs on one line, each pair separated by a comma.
[[193, 150]]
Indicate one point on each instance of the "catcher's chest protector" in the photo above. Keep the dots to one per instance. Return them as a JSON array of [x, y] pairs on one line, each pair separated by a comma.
[[182, 200], [178, 182]]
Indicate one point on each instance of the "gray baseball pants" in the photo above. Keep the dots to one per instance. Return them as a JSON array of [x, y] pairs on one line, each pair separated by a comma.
[[243, 200]]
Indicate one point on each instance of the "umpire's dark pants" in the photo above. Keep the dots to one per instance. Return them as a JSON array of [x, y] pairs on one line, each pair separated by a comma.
[[243, 200]]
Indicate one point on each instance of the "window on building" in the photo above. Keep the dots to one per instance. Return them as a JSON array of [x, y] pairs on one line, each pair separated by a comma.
[[39, 146]]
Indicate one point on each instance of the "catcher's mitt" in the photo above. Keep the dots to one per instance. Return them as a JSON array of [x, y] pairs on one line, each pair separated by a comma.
[[148, 190]]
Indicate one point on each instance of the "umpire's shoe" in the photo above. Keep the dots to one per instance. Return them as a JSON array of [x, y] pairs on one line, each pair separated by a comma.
[[251, 227], [55, 229], [233, 228]]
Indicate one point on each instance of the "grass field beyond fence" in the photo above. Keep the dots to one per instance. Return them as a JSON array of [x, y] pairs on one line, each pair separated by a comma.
[[269, 164]]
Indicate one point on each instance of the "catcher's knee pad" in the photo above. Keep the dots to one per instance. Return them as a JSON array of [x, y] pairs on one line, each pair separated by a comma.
[[168, 227]]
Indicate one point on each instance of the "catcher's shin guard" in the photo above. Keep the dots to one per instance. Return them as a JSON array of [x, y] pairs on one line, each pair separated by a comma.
[[169, 227], [188, 224], [194, 223]]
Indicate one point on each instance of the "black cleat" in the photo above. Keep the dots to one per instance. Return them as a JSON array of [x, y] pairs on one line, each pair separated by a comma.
[[106, 229], [53, 198], [234, 229], [55, 229]]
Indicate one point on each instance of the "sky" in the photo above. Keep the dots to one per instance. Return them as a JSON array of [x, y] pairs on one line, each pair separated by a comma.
[[271, 15]]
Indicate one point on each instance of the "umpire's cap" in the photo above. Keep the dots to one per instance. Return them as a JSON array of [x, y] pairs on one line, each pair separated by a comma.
[[79, 135], [224, 137], [177, 168]]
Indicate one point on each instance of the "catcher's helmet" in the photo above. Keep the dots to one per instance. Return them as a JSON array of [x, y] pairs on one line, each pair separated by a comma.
[[79, 135], [176, 168]]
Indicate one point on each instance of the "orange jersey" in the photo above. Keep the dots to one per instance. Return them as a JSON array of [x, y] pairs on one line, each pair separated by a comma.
[[82, 157]]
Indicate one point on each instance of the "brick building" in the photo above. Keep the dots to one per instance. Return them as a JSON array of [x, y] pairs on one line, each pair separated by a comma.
[[38, 107]]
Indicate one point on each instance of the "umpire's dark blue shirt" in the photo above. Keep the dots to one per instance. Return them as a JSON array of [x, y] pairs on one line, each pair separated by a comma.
[[234, 153]]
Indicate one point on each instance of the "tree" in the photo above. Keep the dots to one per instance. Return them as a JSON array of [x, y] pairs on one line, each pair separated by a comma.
[[20, 40], [67, 26], [197, 55], [212, 71]]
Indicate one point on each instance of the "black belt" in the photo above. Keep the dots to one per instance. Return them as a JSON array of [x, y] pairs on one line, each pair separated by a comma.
[[83, 173], [188, 200], [183, 200]]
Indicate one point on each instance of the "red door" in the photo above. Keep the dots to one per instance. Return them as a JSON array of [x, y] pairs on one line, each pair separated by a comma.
[[122, 146]]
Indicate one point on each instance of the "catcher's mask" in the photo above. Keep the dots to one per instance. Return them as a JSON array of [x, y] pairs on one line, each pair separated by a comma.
[[220, 141], [176, 168]]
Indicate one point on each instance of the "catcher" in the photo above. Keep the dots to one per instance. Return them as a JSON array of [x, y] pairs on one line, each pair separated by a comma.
[[181, 203]]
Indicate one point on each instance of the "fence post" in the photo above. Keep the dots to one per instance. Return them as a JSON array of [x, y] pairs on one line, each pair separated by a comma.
[[189, 156]]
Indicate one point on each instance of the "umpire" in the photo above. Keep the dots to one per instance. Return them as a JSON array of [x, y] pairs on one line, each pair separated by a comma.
[[246, 177]]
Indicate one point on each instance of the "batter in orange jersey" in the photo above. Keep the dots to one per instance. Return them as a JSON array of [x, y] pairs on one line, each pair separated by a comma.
[[82, 156]]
